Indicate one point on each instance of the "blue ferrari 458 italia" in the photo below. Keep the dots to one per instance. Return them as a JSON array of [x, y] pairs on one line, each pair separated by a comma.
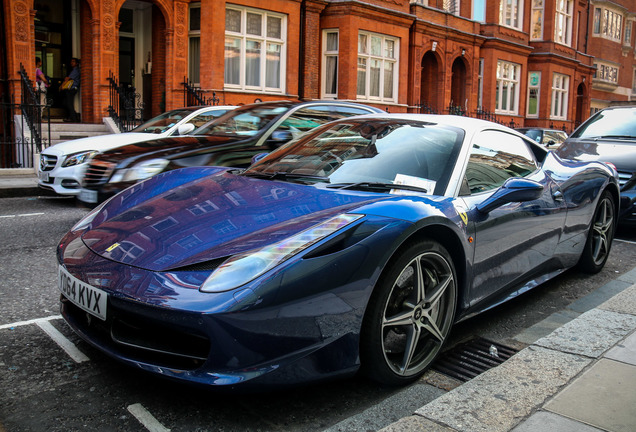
[[353, 248]]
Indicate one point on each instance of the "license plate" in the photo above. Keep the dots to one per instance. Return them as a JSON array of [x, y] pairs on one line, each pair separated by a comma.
[[88, 196], [44, 176], [84, 296]]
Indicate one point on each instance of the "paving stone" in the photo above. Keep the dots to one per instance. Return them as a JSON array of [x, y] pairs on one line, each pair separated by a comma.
[[603, 397], [625, 302], [502, 397], [547, 421], [591, 334], [416, 424], [625, 351]]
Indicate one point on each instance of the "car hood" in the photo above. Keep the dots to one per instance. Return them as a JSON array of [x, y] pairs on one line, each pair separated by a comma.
[[167, 148], [99, 143], [210, 218], [622, 154]]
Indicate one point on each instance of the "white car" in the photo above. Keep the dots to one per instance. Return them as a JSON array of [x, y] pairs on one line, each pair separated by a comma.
[[62, 165]]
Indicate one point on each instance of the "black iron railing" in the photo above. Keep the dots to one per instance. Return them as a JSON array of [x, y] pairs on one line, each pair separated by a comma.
[[22, 133], [125, 106], [193, 96], [424, 108]]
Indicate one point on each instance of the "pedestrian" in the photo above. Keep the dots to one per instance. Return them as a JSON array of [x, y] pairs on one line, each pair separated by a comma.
[[41, 82], [70, 87]]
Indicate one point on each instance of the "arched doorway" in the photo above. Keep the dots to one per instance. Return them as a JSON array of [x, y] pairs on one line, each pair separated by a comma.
[[579, 115], [458, 84], [430, 82]]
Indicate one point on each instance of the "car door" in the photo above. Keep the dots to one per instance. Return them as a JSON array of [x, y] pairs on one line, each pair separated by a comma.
[[516, 241]]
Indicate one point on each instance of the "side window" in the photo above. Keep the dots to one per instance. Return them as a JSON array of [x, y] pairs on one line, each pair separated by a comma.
[[494, 158], [338, 112], [205, 117], [310, 117]]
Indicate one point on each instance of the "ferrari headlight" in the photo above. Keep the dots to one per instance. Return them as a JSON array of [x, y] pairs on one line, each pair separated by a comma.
[[78, 158], [140, 171], [242, 268]]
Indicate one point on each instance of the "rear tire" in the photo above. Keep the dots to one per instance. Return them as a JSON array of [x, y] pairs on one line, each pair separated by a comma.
[[599, 239], [409, 315]]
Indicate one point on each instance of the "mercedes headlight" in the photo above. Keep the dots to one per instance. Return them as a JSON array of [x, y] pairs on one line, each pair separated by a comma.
[[141, 171], [78, 158], [243, 268]]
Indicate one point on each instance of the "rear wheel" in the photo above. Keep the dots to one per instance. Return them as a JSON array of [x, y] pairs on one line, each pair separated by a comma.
[[410, 314], [600, 236]]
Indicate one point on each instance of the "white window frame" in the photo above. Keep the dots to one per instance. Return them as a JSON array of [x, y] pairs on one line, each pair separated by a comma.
[[560, 96], [326, 55], [606, 72], [597, 21], [507, 88], [452, 6], [512, 12], [364, 53], [563, 22], [194, 62], [536, 87], [536, 19], [479, 10], [480, 84], [265, 40], [611, 24], [627, 38]]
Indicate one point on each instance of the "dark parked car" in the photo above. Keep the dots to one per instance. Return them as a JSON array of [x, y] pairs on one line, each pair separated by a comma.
[[230, 140], [355, 247], [609, 136], [550, 138]]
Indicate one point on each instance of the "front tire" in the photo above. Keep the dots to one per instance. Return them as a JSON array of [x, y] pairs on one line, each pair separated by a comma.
[[410, 314], [599, 239]]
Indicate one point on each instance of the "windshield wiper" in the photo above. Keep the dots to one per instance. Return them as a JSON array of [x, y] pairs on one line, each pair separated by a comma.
[[282, 175], [614, 137], [378, 186]]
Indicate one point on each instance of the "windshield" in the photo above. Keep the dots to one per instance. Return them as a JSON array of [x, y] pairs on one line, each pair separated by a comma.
[[613, 123], [243, 122], [163, 122], [534, 134], [356, 153]]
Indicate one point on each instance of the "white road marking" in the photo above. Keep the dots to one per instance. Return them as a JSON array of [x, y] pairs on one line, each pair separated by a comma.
[[33, 321], [21, 215], [145, 418], [62, 341], [625, 241]]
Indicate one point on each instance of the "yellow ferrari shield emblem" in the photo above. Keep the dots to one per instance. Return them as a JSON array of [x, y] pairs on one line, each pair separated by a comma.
[[112, 247]]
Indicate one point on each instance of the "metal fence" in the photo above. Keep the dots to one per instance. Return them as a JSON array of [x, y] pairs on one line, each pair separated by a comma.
[[125, 106], [24, 126], [193, 96]]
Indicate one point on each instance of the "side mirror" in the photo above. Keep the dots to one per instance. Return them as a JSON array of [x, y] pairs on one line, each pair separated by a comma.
[[513, 190], [185, 129], [258, 157], [282, 136]]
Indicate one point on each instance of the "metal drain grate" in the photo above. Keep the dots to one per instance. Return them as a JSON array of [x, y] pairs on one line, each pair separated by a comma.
[[467, 360]]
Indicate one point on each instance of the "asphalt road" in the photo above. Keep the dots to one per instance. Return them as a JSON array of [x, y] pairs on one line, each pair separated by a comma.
[[43, 387]]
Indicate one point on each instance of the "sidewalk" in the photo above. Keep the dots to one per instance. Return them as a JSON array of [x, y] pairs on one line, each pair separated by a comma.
[[581, 377], [20, 183]]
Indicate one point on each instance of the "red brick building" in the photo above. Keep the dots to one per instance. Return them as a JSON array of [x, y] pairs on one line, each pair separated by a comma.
[[612, 42], [534, 62]]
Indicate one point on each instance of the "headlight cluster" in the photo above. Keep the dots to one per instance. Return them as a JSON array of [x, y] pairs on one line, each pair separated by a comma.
[[241, 269], [78, 158], [140, 171]]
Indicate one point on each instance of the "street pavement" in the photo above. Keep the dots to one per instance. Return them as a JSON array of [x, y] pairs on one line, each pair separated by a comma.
[[577, 374]]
